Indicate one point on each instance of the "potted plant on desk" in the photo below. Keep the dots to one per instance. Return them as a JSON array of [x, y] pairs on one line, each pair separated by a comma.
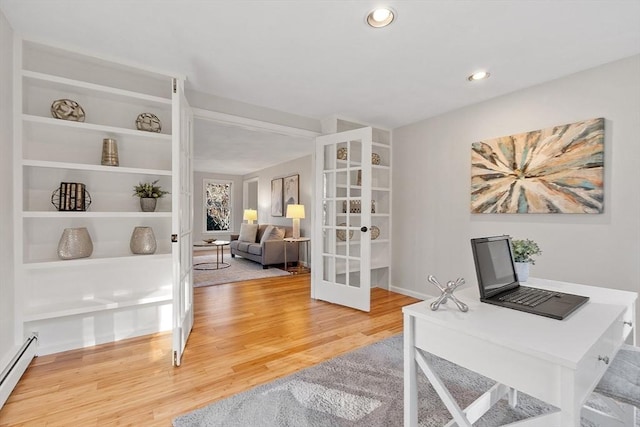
[[149, 193], [523, 253]]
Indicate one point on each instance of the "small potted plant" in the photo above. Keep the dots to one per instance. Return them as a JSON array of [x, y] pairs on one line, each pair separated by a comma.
[[149, 193], [523, 253]]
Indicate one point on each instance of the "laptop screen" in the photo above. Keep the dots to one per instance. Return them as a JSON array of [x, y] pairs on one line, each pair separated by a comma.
[[494, 265]]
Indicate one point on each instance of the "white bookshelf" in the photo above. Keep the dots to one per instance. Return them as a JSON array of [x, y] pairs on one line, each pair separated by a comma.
[[116, 292]]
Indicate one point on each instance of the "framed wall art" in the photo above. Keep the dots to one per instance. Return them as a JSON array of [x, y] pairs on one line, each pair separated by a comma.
[[554, 170], [291, 191], [276, 197], [217, 205]]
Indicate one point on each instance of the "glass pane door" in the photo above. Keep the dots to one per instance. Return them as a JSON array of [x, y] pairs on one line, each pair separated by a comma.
[[342, 240]]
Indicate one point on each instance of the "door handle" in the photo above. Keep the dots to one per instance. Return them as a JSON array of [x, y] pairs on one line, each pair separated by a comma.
[[364, 229], [174, 238]]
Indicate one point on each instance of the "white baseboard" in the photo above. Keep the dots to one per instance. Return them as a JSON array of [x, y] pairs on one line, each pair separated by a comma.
[[410, 293], [14, 369]]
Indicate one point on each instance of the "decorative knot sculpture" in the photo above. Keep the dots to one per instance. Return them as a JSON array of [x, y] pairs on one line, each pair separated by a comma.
[[447, 293]]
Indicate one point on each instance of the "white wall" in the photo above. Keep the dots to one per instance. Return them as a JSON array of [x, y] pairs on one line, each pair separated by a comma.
[[431, 179], [7, 321], [198, 204]]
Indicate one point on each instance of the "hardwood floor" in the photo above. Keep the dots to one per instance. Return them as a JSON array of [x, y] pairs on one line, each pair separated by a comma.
[[245, 334]]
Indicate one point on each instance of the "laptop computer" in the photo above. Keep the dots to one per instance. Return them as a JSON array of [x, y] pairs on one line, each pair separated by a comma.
[[499, 284]]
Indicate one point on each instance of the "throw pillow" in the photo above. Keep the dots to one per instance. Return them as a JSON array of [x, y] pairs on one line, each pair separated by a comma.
[[248, 232], [272, 233]]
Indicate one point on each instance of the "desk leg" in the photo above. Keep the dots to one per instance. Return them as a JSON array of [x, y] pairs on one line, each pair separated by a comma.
[[569, 407], [513, 397], [458, 415], [410, 374]]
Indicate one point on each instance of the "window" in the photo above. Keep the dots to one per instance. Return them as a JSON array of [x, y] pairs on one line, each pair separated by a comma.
[[217, 206]]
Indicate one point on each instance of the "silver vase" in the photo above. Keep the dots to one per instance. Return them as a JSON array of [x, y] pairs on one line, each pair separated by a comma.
[[75, 243], [148, 204], [143, 241], [110, 152]]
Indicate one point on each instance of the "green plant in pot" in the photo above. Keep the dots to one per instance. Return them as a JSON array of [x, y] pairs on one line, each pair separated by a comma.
[[149, 193], [524, 252]]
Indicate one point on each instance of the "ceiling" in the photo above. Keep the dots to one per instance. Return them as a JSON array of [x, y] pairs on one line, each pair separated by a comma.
[[234, 150], [316, 58]]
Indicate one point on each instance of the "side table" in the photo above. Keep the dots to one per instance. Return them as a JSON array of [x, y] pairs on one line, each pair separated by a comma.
[[299, 269]]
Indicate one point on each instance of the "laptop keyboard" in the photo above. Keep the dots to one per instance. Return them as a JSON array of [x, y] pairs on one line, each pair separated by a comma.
[[528, 296]]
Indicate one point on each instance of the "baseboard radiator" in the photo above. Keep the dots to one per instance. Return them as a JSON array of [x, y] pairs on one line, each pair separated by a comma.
[[16, 367]]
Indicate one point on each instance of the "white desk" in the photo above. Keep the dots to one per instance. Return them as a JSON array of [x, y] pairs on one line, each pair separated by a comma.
[[557, 361]]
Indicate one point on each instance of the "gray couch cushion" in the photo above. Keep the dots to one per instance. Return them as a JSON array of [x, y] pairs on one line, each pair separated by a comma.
[[255, 249], [244, 246], [272, 233], [248, 232]]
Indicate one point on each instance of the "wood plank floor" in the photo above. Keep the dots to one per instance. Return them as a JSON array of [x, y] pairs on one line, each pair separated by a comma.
[[245, 334]]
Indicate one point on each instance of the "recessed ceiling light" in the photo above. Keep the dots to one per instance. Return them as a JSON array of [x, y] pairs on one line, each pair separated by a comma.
[[380, 17], [478, 75]]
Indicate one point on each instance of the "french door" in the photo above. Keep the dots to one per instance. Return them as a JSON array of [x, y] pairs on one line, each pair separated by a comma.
[[341, 239], [182, 225]]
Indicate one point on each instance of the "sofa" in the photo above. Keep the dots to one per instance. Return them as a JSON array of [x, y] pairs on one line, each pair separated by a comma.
[[264, 244]]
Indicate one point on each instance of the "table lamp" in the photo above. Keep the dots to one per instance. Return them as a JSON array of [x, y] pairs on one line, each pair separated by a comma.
[[295, 212], [250, 215]]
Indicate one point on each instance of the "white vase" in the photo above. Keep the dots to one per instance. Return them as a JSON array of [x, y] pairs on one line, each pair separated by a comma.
[[522, 271], [143, 241], [75, 243]]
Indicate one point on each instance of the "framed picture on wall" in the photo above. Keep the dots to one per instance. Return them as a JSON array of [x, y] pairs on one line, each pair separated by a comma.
[[291, 191], [217, 205], [276, 197]]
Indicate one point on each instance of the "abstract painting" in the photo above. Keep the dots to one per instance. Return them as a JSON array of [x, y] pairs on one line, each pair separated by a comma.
[[291, 190], [276, 197], [217, 205], [553, 170]]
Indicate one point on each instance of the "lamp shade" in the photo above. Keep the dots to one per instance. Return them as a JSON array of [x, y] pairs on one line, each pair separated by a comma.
[[295, 211], [250, 214]]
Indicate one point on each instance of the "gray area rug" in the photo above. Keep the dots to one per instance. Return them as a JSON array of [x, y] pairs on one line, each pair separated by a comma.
[[239, 269], [361, 388]]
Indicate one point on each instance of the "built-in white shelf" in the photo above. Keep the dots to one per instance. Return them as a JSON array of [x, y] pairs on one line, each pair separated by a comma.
[[121, 294], [94, 168], [379, 144], [58, 263], [88, 214], [356, 164], [76, 86], [382, 215], [95, 304], [103, 129]]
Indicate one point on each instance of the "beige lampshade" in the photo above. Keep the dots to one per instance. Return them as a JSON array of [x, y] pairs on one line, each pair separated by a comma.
[[250, 214], [295, 211]]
